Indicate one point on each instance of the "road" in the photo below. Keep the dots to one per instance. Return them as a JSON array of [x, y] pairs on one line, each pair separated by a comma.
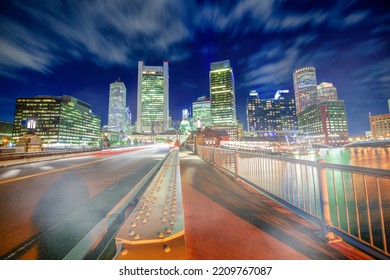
[[47, 207]]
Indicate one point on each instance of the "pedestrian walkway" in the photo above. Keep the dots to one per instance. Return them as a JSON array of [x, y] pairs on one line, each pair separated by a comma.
[[225, 219]]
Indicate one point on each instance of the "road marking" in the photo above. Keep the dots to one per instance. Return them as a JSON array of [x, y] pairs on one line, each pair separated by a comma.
[[56, 170]]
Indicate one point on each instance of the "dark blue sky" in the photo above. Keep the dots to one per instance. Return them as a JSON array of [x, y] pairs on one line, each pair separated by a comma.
[[79, 47]]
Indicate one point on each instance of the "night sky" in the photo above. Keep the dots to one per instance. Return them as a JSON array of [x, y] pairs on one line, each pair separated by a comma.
[[79, 47]]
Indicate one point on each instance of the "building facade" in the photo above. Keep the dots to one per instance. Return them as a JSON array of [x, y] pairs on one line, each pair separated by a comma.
[[305, 88], [277, 114], [59, 120], [326, 92], [325, 123], [201, 112], [380, 126], [152, 98], [117, 115], [222, 94], [5, 133]]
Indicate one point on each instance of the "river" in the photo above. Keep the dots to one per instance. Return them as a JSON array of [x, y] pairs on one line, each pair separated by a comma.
[[362, 156]]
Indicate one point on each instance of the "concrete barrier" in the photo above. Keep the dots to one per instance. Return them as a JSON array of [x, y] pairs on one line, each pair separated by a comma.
[[155, 229]]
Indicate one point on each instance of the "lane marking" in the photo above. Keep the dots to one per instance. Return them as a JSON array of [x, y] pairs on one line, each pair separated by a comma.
[[57, 170]]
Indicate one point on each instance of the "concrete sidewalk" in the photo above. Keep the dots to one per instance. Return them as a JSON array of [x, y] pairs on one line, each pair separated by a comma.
[[225, 219]]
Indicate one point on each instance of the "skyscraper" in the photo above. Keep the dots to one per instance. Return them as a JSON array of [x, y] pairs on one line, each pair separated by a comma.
[[60, 120], [305, 87], [277, 114], [222, 94], [117, 115], [326, 92], [201, 112], [325, 123], [152, 98]]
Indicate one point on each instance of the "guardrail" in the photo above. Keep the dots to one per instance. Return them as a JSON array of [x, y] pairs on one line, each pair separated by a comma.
[[155, 229], [102, 234], [12, 156], [346, 201]]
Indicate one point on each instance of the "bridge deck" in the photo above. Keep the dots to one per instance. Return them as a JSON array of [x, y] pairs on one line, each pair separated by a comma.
[[225, 219]]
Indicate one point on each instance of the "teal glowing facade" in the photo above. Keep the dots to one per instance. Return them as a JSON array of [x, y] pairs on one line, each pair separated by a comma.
[[60, 120], [325, 123], [222, 94], [201, 112], [152, 98]]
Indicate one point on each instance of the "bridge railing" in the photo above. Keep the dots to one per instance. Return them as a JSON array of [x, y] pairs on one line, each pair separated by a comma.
[[346, 201]]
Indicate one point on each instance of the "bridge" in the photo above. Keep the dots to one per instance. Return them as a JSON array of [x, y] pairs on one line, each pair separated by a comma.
[[215, 204]]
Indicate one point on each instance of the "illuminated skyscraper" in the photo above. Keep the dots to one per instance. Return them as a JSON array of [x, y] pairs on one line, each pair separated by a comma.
[[152, 98], [60, 120], [325, 123], [326, 92], [223, 103], [305, 87], [201, 112], [117, 115], [277, 114]]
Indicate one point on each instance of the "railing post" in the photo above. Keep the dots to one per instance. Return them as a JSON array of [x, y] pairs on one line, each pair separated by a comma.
[[212, 155], [236, 163], [326, 222]]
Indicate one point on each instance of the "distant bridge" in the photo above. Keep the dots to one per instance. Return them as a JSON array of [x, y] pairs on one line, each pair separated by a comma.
[[369, 143]]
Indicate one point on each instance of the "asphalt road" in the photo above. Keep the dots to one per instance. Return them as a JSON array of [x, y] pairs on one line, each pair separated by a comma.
[[46, 208]]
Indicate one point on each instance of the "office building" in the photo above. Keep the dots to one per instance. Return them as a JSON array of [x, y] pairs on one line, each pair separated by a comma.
[[277, 114], [380, 126], [305, 88], [201, 112], [222, 94], [59, 121], [326, 92], [117, 115], [325, 123], [152, 98], [5, 133]]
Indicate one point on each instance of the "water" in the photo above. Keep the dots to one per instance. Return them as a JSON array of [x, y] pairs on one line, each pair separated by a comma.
[[365, 157]]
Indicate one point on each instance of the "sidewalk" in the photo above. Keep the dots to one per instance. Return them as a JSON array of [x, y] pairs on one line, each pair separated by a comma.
[[229, 220]]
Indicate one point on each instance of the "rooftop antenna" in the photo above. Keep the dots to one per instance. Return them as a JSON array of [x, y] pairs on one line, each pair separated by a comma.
[[119, 79]]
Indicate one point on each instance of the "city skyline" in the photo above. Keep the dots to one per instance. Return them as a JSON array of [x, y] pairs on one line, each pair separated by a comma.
[[80, 53]]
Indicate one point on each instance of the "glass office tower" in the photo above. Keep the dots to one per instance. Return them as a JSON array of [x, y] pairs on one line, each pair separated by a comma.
[[153, 98], [201, 112], [277, 114], [222, 94], [60, 120], [117, 107], [305, 87]]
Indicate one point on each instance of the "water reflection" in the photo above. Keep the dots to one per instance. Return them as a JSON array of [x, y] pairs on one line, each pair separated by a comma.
[[364, 157]]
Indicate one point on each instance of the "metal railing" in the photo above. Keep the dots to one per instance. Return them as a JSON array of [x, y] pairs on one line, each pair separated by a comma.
[[352, 202]]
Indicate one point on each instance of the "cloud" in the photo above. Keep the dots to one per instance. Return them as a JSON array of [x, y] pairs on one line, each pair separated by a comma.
[[55, 31]]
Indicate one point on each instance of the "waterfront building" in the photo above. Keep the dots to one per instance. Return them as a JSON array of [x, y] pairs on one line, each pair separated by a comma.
[[305, 88], [152, 98], [326, 92], [233, 131], [117, 114], [325, 123], [222, 94], [59, 120], [201, 112], [380, 126], [277, 114]]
